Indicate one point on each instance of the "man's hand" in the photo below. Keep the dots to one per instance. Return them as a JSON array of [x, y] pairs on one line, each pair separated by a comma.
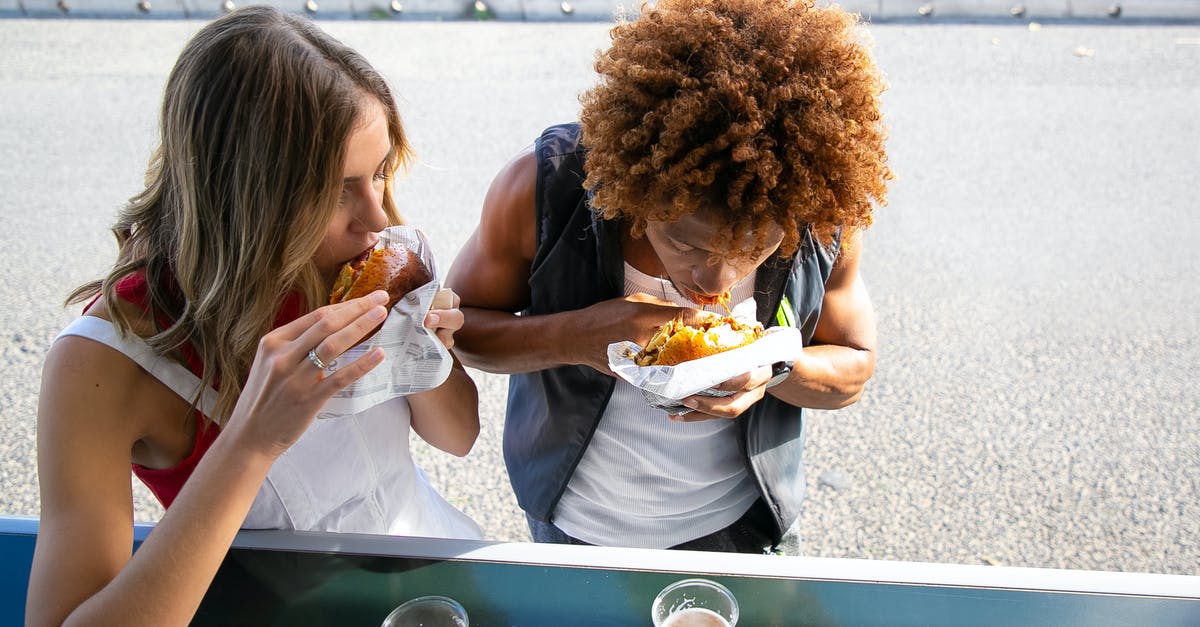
[[747, 390], [635, 318]]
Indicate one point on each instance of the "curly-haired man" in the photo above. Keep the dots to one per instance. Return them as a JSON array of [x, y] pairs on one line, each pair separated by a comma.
[[730, 146]]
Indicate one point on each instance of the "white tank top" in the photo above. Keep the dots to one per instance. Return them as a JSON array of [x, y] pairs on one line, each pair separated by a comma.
[[649, 482], [353, 474]]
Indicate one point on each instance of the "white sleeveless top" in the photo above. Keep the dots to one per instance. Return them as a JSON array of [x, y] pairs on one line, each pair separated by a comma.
[[646, 481], [353, 474]]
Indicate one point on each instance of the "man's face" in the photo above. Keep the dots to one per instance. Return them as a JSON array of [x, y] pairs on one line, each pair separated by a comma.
[[700, 272]]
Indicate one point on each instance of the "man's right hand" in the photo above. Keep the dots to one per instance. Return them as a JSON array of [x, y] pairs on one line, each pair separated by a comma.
[[635, 318]]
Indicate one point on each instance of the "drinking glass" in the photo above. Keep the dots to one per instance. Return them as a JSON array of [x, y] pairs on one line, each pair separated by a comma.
[[430, 611], [694, 603]]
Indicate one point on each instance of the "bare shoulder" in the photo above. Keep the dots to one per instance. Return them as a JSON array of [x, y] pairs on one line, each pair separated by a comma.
[[847, 315], [507, 220], [845, 268], [94, 390], [492, 269], [88, 387], [85, 419]]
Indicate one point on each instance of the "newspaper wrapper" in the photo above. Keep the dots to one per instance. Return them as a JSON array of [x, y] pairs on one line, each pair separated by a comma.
[[664, 387], [414, 359]]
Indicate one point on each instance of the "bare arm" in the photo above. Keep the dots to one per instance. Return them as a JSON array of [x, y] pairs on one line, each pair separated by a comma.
[[834, 370], [448, 416], [82, 570], [491, 274]]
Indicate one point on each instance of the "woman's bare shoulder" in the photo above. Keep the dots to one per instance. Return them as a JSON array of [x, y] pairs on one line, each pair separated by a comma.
[[82, 377]]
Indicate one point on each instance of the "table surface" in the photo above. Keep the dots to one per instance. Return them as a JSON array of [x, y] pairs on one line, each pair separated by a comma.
[[298, 578]]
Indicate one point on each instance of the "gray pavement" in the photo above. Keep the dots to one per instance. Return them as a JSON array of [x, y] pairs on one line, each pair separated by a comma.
[[1035, 402]]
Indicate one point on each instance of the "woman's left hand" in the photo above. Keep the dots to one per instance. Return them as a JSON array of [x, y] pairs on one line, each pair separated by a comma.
[[444, 318]]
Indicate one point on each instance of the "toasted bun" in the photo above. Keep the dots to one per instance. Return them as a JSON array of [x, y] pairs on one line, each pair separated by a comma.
[[676, 342], [396, 270]]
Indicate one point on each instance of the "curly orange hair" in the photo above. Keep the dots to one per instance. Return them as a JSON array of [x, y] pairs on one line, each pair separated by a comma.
[[766, 111]]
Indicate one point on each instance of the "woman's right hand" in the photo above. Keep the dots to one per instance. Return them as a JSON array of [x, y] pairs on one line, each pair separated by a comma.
[[286, 388]]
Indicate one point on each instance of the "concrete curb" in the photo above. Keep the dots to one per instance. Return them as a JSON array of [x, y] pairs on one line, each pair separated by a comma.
[[1108, 11]]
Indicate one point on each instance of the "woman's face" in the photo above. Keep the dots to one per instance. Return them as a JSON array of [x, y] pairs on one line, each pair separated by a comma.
[[359, 216], [697, 270]]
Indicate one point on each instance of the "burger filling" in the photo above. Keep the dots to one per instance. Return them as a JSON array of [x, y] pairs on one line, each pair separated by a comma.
[[347, 276], [684, 342]]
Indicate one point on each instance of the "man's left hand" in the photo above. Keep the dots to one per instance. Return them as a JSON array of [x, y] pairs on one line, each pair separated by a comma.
[[747, 390]]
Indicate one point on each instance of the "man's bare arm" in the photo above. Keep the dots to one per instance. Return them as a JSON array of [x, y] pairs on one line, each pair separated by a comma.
[[834, 370], [491, 275]]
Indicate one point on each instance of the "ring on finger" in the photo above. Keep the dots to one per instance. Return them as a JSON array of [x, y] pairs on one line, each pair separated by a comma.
[[317, 361]]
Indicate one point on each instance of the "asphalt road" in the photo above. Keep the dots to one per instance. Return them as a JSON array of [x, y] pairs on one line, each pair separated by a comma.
[[1035, 402]]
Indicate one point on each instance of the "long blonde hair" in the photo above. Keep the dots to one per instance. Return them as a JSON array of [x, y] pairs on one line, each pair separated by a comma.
[[242, 186]]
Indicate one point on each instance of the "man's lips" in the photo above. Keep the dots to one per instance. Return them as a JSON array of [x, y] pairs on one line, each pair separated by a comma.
[[698, 298]]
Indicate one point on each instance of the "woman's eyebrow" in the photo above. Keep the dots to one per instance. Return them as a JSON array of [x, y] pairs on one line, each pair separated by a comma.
[[388, 157], [391, 151]]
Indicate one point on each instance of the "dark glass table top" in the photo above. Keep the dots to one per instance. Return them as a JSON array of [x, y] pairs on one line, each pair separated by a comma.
[[297, 578]]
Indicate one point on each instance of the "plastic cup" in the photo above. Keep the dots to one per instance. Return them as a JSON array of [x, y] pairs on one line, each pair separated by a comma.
[[694, 603], [431, 611]]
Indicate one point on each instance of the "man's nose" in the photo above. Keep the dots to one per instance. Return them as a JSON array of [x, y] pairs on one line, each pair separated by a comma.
[[717, 278]]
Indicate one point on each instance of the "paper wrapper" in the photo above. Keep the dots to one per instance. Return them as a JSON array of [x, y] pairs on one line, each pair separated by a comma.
[[414, 359], [665, 386]]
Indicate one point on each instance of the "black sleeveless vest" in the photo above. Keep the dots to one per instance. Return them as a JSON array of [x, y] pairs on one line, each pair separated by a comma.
[[553, 413]]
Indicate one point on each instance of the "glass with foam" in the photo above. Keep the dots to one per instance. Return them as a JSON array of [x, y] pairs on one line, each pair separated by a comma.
[[694, 603]]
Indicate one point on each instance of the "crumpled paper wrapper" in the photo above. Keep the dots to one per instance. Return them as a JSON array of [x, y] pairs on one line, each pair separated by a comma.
[[414, 359], [664, 387]]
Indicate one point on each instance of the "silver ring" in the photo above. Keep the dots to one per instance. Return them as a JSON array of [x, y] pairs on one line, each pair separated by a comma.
[[316, 361]]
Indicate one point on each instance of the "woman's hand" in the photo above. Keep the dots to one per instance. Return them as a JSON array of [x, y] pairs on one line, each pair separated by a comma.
[[444, 317], [287, 385], [96, 405]]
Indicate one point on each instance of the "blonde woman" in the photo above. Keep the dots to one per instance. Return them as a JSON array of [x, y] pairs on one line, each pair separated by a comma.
[[275, 167]]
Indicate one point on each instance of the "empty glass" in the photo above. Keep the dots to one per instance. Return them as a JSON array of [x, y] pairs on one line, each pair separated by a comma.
[[431, 611]]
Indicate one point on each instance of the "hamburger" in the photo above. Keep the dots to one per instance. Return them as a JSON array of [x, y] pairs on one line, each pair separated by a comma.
[[396, 270], [675, 342]]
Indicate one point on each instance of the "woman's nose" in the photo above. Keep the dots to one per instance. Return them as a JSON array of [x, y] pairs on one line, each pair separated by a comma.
[[369, 213]]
